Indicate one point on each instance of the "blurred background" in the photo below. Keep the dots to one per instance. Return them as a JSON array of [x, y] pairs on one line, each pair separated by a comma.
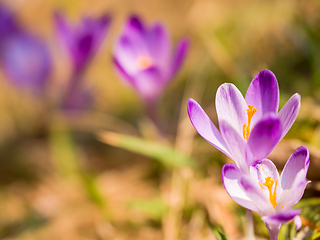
[[97, 167]]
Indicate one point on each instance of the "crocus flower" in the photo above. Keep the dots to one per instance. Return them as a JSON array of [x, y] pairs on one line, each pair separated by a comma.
[[24, 57], [82, 41], [250, 127], [26, 61], [267, 193], [144, 58]]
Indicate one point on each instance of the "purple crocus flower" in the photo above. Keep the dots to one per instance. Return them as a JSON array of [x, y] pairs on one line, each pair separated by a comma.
[[143, 57], [82, 41], [267, 193], [24, 57], [26, 61], [250, 127]]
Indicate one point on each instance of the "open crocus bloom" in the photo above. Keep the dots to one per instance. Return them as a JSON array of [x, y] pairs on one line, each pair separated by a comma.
[[267, 193], [250, 127], [82, 41], [143, 57]]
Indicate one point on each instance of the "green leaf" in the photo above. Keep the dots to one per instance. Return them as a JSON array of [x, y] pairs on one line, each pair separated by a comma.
[[92, 189], [218, 234], [163, 153]]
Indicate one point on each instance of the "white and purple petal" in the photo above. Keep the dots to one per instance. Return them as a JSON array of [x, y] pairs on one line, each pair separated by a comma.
[[126, 53], [148, 83], [255, 193], [263, 94], [205, 127], [231, 106], [123, 74], [281, 217], [298, 222], [264, 169], [137, 32], [261, 171], [236, 144], [290, 197], [298, 160], [231, 176], [159, 46]]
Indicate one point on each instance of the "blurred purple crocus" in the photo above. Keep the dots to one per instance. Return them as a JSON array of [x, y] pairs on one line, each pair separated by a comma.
[[250, 127], [82, 41], [144, 58], [26, 61], [24, 57], [267, 193]]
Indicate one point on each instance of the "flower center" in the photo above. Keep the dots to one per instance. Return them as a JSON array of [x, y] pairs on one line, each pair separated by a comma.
[[144, 61], [246, 127], [273, 195]]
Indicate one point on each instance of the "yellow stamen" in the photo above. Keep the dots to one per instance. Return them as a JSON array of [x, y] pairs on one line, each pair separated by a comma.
[[144, 62], [246, 128], [273, 196]]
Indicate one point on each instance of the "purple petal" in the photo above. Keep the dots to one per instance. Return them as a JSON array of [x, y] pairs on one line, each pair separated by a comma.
[[231, 176], [263, 94], [253, 191], [263, 138], [179, 55], [231, 106], [126, 53], [205, 127], [289, 113], [83, 49], [99, 28], [264, 169], [159, 44], [64, 31], [148, 83], [235, 143], [135, 30], [298, 160], [261, 171], [123, 74], [281, 217], [134, 26], [290, 197], [82, 41]]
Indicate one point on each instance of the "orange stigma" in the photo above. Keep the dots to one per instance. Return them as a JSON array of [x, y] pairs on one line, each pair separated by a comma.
[[246, 128], [144, 61], [273, 195]]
